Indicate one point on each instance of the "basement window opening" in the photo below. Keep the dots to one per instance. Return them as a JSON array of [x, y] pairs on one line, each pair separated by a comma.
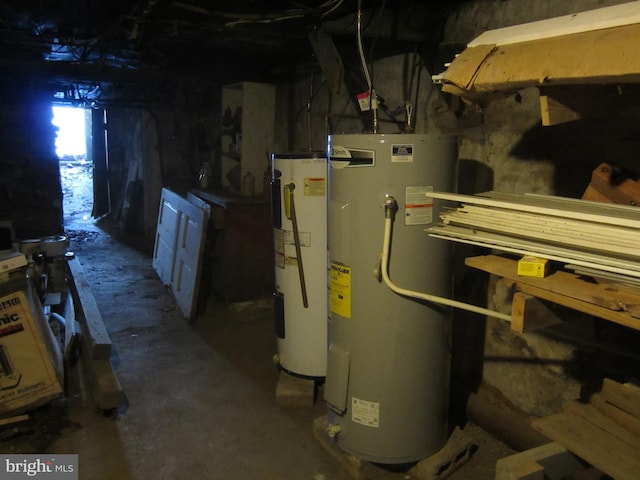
[[76, 169]]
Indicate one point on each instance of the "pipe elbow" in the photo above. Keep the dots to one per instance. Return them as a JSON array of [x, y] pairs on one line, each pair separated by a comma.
[[390, 207]]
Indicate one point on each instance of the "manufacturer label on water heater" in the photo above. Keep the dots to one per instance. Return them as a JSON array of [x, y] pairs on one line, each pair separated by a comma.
[[342, 157], [365, 413], [418, 208], [402, 153]]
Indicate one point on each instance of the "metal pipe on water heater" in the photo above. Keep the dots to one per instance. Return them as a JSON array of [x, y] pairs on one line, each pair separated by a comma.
[[390, 207]]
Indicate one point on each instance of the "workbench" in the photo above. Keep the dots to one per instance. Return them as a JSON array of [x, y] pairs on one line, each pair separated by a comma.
[[240, 246]]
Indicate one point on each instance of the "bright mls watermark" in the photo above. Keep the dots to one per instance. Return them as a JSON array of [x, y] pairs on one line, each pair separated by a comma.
[[52, 467]]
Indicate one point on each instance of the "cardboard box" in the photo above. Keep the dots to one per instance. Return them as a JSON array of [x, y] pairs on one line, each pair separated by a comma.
[[529, 266], [30, 371]]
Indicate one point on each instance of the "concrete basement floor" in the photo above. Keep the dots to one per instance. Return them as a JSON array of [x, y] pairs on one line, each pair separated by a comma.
[[200, 398]]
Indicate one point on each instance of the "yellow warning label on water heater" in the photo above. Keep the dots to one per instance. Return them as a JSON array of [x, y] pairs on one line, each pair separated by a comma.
[[341, 290]]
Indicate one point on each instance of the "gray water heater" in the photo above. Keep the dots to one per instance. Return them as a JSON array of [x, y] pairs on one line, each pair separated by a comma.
[[388, 362]]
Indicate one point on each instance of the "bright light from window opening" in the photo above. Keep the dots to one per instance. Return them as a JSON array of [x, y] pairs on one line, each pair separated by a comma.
[[71, 137]]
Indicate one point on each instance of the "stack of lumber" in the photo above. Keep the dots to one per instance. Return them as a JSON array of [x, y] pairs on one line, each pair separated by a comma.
[[605, 431], [594, 236]]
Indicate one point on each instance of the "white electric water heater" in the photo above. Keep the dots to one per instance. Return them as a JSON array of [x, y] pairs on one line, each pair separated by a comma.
[[299, 211], [387, 379]]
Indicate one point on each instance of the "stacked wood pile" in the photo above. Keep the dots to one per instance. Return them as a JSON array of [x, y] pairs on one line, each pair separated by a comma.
[[604, 430], [593, 438]]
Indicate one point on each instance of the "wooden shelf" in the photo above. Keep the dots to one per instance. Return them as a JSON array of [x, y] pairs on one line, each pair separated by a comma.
[[616, 303]]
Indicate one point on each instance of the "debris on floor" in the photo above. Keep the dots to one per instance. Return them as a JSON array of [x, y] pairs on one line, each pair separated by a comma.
[[49, 320], [251, 305], [208, 387], [33, 433]]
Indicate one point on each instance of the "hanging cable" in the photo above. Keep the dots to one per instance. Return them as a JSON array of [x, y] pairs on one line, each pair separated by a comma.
[[373, 106], [361, 49], [390, 207], [309, 107]]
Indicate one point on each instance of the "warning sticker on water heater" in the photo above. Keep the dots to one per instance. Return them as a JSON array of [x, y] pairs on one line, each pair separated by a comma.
[[402, 153], [315, 186], [341, 290], [365, 412], [418, 208]]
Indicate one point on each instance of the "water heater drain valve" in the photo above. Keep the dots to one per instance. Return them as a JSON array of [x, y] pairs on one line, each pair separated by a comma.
[[333, 430]]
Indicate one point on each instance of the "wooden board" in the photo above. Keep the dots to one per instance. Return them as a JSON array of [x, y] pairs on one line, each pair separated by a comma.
[[528, 313], [621, 417], [593, 444], [593, 415], [621, 318], [550, 461], [13, 420], [105, 387], [610, 183], [88, 314], [622, 395], [560, 282]]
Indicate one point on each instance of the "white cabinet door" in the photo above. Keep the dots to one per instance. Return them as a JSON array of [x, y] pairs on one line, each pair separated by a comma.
[[178, 249]]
